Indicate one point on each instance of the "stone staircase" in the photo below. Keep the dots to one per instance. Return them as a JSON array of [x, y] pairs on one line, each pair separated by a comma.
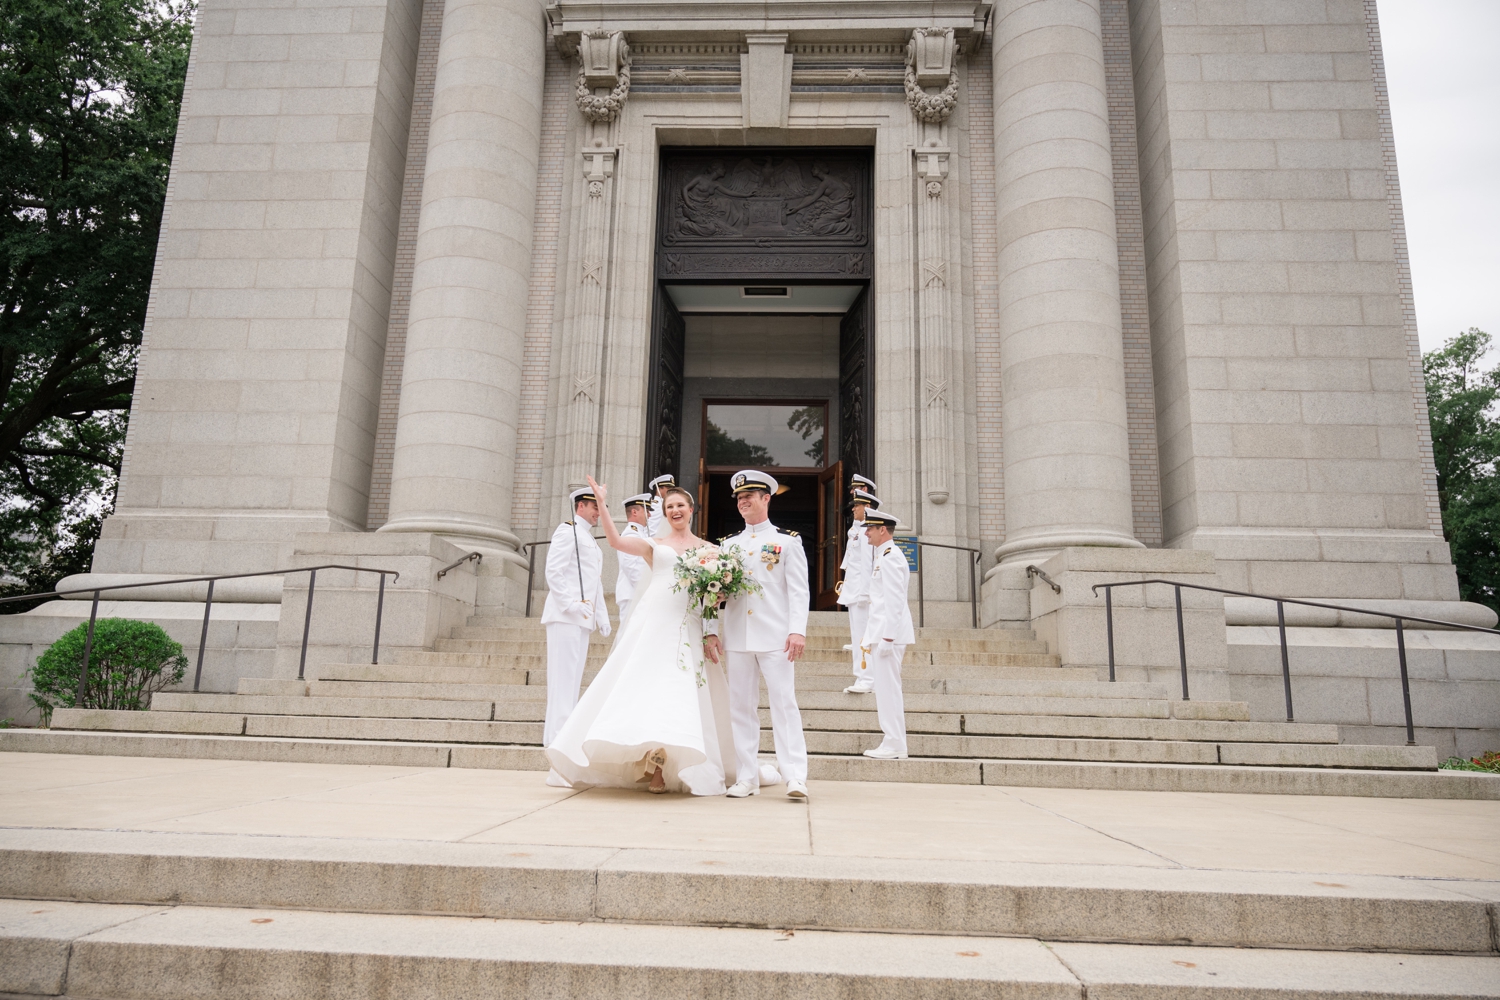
[[983, 706]]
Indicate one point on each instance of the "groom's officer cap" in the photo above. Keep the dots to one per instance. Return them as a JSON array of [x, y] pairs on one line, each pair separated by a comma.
[[640, 499], [877, 518], [752, 479], [864, 497], [858, 482], [583, 494], [665, 479]]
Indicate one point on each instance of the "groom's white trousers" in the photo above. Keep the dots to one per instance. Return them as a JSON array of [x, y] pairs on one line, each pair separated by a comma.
[[567, 652], [744, 672]]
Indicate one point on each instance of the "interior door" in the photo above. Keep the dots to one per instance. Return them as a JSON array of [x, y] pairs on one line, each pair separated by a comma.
[[830, 534]]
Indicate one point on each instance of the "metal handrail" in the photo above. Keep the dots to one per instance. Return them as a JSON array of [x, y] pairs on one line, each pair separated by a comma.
[[1037, 571], [476, 556], [922, 574], [1281, 602], [312, 579]]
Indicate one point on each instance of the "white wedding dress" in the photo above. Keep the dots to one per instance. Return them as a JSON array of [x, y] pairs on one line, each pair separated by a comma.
[[655, 691]]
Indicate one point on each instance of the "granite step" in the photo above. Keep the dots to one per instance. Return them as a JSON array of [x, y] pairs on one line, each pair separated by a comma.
[[441, 669], [1099, 902], [530, 654], [534, 627], [387, 708], [1246, 779], [829, 722], [810, 684], [1129, 751], [535, 641], [129, 952], [824, 742]]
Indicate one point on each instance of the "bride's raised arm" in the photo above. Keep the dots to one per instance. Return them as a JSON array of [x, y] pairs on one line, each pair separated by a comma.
[[632, 546]]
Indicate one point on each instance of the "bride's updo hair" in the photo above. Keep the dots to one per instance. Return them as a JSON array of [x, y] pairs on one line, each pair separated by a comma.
[[678, 491]]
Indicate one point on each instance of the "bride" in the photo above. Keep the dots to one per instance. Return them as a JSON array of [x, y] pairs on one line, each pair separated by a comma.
[[654, 714]]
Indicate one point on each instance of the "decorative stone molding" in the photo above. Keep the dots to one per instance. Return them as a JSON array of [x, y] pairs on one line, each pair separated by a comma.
[[603, 61], [935, 311], [929, 62]]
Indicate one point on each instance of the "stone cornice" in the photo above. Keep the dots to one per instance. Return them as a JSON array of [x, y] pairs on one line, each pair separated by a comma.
[[807, 22]]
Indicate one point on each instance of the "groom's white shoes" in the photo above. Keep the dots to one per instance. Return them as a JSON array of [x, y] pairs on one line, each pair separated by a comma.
[[860, 687], [742, 790], [885, 753], [796, 790]]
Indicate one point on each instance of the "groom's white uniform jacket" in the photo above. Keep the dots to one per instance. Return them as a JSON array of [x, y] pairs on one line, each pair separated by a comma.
[[575, 570], [890, 614], [760, 623]]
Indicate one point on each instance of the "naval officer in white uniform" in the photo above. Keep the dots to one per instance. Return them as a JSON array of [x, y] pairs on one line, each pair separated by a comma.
[[854, 593], [888, 632], [632, 568], [762, 635], [574, 609], [656, 522]]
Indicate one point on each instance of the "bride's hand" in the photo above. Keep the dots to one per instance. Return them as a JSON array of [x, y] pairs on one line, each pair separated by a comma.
[[599, 491]]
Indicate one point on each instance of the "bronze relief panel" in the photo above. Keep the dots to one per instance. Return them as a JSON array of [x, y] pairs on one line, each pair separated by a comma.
[[729, 213]]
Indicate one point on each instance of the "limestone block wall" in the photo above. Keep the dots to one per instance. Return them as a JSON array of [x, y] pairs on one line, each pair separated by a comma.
[[255, 405], [1289, 441]]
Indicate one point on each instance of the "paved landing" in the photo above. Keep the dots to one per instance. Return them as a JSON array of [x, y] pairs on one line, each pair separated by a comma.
[[1441, 839]]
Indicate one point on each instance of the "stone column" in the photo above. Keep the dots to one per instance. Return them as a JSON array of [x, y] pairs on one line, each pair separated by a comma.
[[1067, 453], [455, 437]]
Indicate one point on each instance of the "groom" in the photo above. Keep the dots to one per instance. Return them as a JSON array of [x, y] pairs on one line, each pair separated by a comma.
[[763, 634]]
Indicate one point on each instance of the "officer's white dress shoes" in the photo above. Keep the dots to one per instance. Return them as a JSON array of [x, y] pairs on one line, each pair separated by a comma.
[[860, 687], [742, 790], [885, 753], [796, 790]]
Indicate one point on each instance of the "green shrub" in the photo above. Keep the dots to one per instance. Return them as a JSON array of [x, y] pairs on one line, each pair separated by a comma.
[[128, 662]]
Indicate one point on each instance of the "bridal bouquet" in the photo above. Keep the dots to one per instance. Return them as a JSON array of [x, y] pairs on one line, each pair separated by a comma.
[[711, 577]]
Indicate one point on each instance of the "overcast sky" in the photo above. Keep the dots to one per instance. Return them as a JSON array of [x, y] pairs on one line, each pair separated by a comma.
[[1444, 74]]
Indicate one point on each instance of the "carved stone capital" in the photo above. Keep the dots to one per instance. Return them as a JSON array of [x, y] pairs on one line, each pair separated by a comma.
[[930, 63], [932, 168], [598, 164], [603, 61]]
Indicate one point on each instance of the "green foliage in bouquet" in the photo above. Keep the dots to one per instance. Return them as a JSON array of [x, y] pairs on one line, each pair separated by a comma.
[[711, 577], [129, 661]]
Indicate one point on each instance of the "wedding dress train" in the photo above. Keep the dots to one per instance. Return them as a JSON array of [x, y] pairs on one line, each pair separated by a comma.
[[656, 691]]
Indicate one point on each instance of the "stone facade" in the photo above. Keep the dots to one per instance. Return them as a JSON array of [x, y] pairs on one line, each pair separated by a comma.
[[1138, 281]]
